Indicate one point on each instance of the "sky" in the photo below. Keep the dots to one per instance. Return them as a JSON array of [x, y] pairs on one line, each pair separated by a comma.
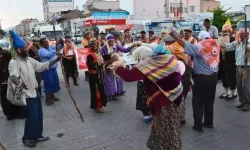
[[13, 11]]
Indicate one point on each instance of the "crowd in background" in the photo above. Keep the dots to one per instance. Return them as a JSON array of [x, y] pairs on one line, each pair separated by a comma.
[[168, 67]]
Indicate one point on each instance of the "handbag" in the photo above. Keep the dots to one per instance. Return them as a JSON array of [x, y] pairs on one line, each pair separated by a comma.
[[16, 93]]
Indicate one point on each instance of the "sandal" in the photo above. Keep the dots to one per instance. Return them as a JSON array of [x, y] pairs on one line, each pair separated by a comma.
[[49, 102], [223, 96], [99, 110], [55, 99]]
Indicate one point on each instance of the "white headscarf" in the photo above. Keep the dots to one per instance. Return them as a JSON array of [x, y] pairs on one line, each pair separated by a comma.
[[142, 53]]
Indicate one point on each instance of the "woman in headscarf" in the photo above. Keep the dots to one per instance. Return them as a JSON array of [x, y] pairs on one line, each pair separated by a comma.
[[94, 62], [227, 70], [10, 111], [162, 79], [113, 86], [178, 51], [140, 54]]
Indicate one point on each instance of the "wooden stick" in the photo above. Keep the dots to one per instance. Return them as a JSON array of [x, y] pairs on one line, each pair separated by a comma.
[[1, 145], [67, 84]]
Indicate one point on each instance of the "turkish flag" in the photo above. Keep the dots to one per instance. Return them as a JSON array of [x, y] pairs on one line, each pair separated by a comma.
[[82, 58]]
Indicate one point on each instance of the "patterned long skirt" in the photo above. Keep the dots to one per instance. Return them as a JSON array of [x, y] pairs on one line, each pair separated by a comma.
[[141, 99], [166, 130]]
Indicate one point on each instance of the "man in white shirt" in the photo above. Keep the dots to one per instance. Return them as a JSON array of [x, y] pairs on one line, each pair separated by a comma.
[[212, 30], [22, 72]]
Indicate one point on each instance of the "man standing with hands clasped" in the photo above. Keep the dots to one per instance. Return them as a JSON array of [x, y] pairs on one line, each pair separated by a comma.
[[23, 67]]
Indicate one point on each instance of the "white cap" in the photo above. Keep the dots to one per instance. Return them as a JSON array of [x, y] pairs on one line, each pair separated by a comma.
[[203, 35]]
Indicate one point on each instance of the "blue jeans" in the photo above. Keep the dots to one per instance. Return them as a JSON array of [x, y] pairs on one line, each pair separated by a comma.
[[34, 123]]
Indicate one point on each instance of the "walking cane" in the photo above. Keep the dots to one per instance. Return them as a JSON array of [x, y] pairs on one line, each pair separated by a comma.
[[1, 145], [246, 53], [63, 72]]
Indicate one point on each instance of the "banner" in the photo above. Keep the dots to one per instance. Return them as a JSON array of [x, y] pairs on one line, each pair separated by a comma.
[[82, 58]]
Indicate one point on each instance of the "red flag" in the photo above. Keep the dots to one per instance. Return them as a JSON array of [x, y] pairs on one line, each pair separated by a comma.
[[82, 58]]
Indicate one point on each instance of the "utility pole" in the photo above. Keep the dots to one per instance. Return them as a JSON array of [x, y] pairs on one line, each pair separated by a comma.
[[181, 9], [166, 8]]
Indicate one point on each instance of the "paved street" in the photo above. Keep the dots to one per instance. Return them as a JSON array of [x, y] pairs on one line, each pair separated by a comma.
[[122, 127]]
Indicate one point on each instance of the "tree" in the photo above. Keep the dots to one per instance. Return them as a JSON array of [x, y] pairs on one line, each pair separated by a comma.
[[219, 17]]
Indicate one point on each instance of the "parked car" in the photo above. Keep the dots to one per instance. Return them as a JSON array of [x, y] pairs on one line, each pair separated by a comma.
[[241, 24], [77, 38]]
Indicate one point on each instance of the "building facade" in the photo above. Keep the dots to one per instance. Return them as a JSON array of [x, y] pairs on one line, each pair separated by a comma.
[[207, 5], [101, 4], [160, 9], [53, 6], [26, 26]]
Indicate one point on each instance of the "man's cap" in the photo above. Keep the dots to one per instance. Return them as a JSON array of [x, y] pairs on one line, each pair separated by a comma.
[[168, 38], [151, 31], [17, 41], [103, 33], [188, 30], [143, 32], [204, 35], [68, 36]]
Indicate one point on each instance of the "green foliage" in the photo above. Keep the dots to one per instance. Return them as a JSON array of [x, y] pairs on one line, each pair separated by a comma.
[[219, 18]]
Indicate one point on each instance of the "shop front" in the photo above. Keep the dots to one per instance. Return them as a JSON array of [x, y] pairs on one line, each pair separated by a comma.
[[105, 21]]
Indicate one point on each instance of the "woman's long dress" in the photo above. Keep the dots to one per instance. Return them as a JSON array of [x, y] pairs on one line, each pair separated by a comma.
[[166, 129], [98, 97]]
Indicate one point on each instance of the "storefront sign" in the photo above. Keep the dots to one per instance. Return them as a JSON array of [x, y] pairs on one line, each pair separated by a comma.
[[104, 22], [109, 15], [124, 27]]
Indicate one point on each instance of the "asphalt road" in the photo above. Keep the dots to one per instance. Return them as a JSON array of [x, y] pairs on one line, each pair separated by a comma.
[[122, 127]]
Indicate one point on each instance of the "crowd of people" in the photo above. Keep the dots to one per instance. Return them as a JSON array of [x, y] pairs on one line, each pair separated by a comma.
[[168, 67]]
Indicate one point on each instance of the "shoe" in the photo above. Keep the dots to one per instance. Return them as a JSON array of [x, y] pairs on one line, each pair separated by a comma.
[[240, 106], [76, 84], [42, 139], [29, 143], [223, 96], [198, 129], [49, 102], [148, 119], [208, 126], [245, 108], [122, 93], [231, 97], [183, 122], [11, 118], [55, 99], [99, 110], [114, 98]]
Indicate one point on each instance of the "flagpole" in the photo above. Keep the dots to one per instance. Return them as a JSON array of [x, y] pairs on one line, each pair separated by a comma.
[[63, 72]]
